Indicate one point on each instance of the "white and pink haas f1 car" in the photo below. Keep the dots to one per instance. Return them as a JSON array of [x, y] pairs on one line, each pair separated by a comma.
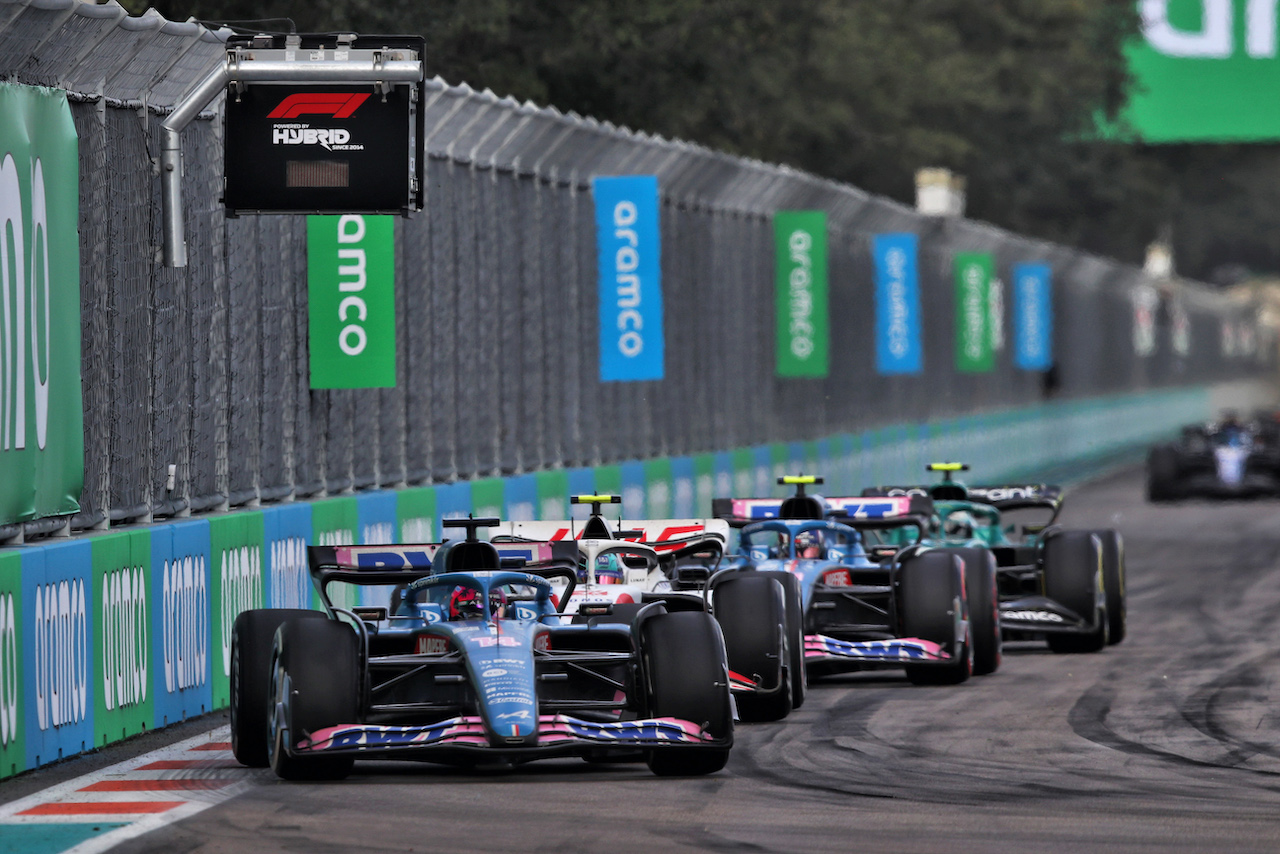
[[625, 569]]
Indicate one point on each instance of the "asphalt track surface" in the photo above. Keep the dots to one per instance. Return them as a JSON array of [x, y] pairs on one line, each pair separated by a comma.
[[1167, 742]]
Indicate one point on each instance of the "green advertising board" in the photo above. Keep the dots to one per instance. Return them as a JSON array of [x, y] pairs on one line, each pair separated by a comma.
[[352, 301], [122, 665], [974, 351], [1205, 71], [657, 488], [237, 543], [488, 498], [553, 494], [41, 408], [416, 515], [800, 247], [13, 745]]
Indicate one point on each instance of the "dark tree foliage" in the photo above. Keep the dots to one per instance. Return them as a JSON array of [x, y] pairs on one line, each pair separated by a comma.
[[1005, 92]]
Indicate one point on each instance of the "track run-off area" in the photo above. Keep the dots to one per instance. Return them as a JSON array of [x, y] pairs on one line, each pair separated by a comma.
[[1169, 741]]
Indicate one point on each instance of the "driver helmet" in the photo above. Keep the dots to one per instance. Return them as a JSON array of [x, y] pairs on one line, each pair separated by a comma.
[[497, 603], [809, 545], [609, 569], [465, 604], [960, 524]]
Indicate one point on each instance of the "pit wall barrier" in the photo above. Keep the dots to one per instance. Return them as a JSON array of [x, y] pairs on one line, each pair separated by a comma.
[[107, 635]]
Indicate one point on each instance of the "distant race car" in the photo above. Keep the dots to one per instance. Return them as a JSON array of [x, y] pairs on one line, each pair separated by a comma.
[[1065, 586], [457, 654], [1228, 458], [624, 568], [911, 611]]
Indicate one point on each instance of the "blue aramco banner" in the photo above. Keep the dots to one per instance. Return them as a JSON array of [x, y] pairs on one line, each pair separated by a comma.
[[1033, 317], [898, 349], [630, 278]]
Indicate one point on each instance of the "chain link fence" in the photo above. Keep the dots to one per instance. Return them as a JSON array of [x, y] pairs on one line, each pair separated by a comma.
[[204, 369]]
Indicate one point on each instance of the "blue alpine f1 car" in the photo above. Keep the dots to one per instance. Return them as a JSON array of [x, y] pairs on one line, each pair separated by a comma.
[[910, 611], [457, 653]]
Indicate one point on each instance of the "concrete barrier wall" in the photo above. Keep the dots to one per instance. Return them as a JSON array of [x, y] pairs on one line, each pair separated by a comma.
[[107, 635]]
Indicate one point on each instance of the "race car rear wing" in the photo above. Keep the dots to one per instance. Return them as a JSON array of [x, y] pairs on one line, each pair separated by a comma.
[[420, 557], [858, 511], [1012, 496], [662, 535]]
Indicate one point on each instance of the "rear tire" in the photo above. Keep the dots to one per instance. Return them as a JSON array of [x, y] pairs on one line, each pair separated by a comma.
[[686, 678], [1073, 577], [984, 608], [1113, 583], [795, 636], [752, 612], [1162, 474], [251, 639], [930, 590], [317, 681]]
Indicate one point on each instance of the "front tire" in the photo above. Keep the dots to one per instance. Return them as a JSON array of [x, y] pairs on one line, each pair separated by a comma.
[[931, 603], [752, 613], [1073, 577], [795, 636], [686, 678], [984, 608], [316, 684], [251, 639], [1113, 582]]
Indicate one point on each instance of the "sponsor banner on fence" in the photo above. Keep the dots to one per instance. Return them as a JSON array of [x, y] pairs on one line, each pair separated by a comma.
[[41, 408], [416, 515], [520, 496], [898, 348], [351, 313], [633, 490], [237, 543], [1202, 69], [657, 489], [487, 498], [627, 238], [1033, 317], [800, 252], [684, 494], [180, 636], [286, 532], [376, 517], [553, 493], [13, 676], [974, 351], [123, 606], [61, 658], [583, 481]]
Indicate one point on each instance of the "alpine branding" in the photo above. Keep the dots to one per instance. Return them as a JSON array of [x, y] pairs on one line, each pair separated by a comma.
[[61, 654], [241, 582], [124, 638], [186, 623]]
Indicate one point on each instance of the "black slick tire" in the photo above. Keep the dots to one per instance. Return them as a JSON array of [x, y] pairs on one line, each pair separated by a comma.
[[316, 678], [686, 677], [251, 638], [795, 635], [930, 589], [1113, 582], [752, 612], [1072, 577], [984, 608]]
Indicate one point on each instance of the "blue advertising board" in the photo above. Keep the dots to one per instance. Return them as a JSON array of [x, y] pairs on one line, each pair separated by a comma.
[[58, 650], [520, 495], [181, 561], [286, 533], [1033, 317], [898, 348], [631, 343]]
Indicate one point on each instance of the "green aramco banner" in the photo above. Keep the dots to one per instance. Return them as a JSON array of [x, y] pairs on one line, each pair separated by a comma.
[[1205, 71], [975, 343], [800, 238], [41, 409], [352, 301]]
